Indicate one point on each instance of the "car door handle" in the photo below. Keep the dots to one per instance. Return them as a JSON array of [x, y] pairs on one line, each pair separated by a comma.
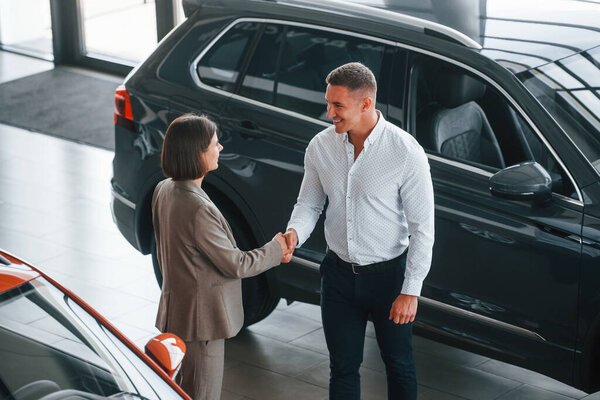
[[250, 130]]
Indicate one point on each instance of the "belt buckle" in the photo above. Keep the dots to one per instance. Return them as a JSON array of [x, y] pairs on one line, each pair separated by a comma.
[[353, 270]]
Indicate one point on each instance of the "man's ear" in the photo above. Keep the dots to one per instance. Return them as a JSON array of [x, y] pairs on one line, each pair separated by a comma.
[[366, 103]]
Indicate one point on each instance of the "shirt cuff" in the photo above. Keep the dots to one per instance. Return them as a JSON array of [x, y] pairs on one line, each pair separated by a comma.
[[412, 287], [301, 238]]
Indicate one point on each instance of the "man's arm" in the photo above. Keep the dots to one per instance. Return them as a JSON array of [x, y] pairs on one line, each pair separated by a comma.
[[309, 206], [417, 198]]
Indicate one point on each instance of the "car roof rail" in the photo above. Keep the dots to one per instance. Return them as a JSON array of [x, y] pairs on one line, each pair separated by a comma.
[[428, 27]]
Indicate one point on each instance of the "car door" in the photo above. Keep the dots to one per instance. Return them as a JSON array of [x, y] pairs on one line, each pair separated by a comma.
[[278, 107], [504, 275]]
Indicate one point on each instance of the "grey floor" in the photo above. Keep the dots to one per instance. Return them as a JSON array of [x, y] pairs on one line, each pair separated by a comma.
[[54, 212]]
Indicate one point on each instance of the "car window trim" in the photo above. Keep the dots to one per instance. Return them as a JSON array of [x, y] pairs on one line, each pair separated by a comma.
[[202, 85]]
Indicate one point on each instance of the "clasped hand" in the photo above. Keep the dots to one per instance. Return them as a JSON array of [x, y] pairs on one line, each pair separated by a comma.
[[287, 248], [288, 242]]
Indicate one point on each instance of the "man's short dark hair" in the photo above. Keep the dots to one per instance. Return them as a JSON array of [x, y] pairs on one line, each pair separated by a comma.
[[354, 76], [186, 139]]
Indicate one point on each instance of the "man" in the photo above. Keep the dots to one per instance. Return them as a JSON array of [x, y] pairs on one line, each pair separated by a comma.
[[376, 177]]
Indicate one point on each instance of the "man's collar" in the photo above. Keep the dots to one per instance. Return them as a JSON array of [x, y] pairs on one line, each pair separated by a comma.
[[375, 132]]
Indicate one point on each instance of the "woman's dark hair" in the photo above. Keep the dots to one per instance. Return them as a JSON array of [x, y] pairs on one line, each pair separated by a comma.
[[187, 137]]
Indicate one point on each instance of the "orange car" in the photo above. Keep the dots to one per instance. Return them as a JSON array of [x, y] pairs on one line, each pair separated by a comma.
[[53, 346]]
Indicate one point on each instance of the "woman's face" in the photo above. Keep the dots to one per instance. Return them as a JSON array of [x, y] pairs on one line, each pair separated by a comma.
[[211, 155]]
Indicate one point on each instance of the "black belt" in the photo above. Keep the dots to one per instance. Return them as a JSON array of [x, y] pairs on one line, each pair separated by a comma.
[[369, 268]]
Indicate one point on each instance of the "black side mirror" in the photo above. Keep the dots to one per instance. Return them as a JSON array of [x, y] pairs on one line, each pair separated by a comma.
[[525, 181]]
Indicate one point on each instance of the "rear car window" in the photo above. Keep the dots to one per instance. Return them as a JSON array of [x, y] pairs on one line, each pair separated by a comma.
[[221, 65]]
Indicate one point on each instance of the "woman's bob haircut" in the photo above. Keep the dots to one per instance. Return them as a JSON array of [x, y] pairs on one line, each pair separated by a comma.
[[186, 139]]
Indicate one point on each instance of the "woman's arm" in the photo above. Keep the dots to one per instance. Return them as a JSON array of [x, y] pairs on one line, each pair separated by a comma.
[[212, 238]]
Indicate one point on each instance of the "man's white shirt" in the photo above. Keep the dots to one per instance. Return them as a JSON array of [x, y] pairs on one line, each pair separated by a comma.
[[376, 202]]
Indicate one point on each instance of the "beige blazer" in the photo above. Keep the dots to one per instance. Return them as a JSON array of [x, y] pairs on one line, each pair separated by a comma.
[[201, 297]]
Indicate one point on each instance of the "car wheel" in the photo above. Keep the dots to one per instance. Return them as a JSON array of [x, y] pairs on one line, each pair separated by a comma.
[[257, 299], [155, 264], [256, 296]]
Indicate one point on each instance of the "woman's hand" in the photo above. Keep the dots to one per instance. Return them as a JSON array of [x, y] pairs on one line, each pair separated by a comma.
[[286, 253]]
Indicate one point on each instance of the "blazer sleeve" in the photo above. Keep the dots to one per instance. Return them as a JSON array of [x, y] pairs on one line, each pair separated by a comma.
[[211, 238]]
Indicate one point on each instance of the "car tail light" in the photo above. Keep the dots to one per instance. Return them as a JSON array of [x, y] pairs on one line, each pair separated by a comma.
[[123, 113]]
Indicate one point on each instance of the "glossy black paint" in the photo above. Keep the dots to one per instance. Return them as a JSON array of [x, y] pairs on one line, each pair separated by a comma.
[[510, 279]]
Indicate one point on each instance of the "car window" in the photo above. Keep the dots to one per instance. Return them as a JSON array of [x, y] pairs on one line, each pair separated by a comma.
[[221, 65], [260, 77], [309, 55], [457, 115], [290, 63]]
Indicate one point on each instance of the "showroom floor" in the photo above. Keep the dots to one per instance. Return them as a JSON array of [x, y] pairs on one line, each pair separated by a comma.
[[54, 212]]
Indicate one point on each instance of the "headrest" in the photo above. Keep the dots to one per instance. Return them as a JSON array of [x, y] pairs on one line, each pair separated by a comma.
[[454, 88]]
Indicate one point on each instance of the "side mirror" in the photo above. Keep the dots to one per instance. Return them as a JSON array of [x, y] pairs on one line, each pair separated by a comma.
[[167, 350], [525, 181]]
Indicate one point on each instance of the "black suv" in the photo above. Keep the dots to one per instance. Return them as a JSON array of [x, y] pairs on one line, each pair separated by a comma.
[[509, 116]]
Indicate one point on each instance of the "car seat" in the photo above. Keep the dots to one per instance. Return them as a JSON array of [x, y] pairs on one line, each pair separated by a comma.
[[454, 124]]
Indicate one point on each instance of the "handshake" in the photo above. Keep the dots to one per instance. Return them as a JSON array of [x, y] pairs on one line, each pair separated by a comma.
[[288, 242]]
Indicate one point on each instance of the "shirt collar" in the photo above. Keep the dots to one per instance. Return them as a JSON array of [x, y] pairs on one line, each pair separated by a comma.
[[377, 130], [375, 133]]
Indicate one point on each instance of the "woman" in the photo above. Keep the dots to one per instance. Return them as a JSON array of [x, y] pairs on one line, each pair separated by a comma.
[[201, 298]]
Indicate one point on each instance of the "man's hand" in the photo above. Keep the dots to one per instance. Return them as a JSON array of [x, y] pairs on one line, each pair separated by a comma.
[[291, 238], [285, 251], [404, 309]]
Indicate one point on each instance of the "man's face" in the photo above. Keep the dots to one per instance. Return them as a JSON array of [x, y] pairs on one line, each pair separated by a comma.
[[344, 107]]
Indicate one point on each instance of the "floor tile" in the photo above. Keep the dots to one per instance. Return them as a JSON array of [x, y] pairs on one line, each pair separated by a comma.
[[271, 354], [261, 384], [314, 341], [143, 317], [309, 311], [29, 248], [432, 394], [91, 240], [527, 392], [531, 378], [447, 353], [461, 381], [284, 326], [28, 221], [102, 271]]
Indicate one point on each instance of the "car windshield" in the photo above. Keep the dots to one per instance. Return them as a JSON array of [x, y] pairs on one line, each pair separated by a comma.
[[570, 90], [49, 344]]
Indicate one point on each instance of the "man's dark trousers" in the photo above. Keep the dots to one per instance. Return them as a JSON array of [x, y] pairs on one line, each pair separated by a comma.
[[347, 299]]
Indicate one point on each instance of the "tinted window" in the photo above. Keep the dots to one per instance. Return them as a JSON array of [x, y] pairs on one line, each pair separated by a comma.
[[259, 80], [459, 116], [309, 55], [220, 67]]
